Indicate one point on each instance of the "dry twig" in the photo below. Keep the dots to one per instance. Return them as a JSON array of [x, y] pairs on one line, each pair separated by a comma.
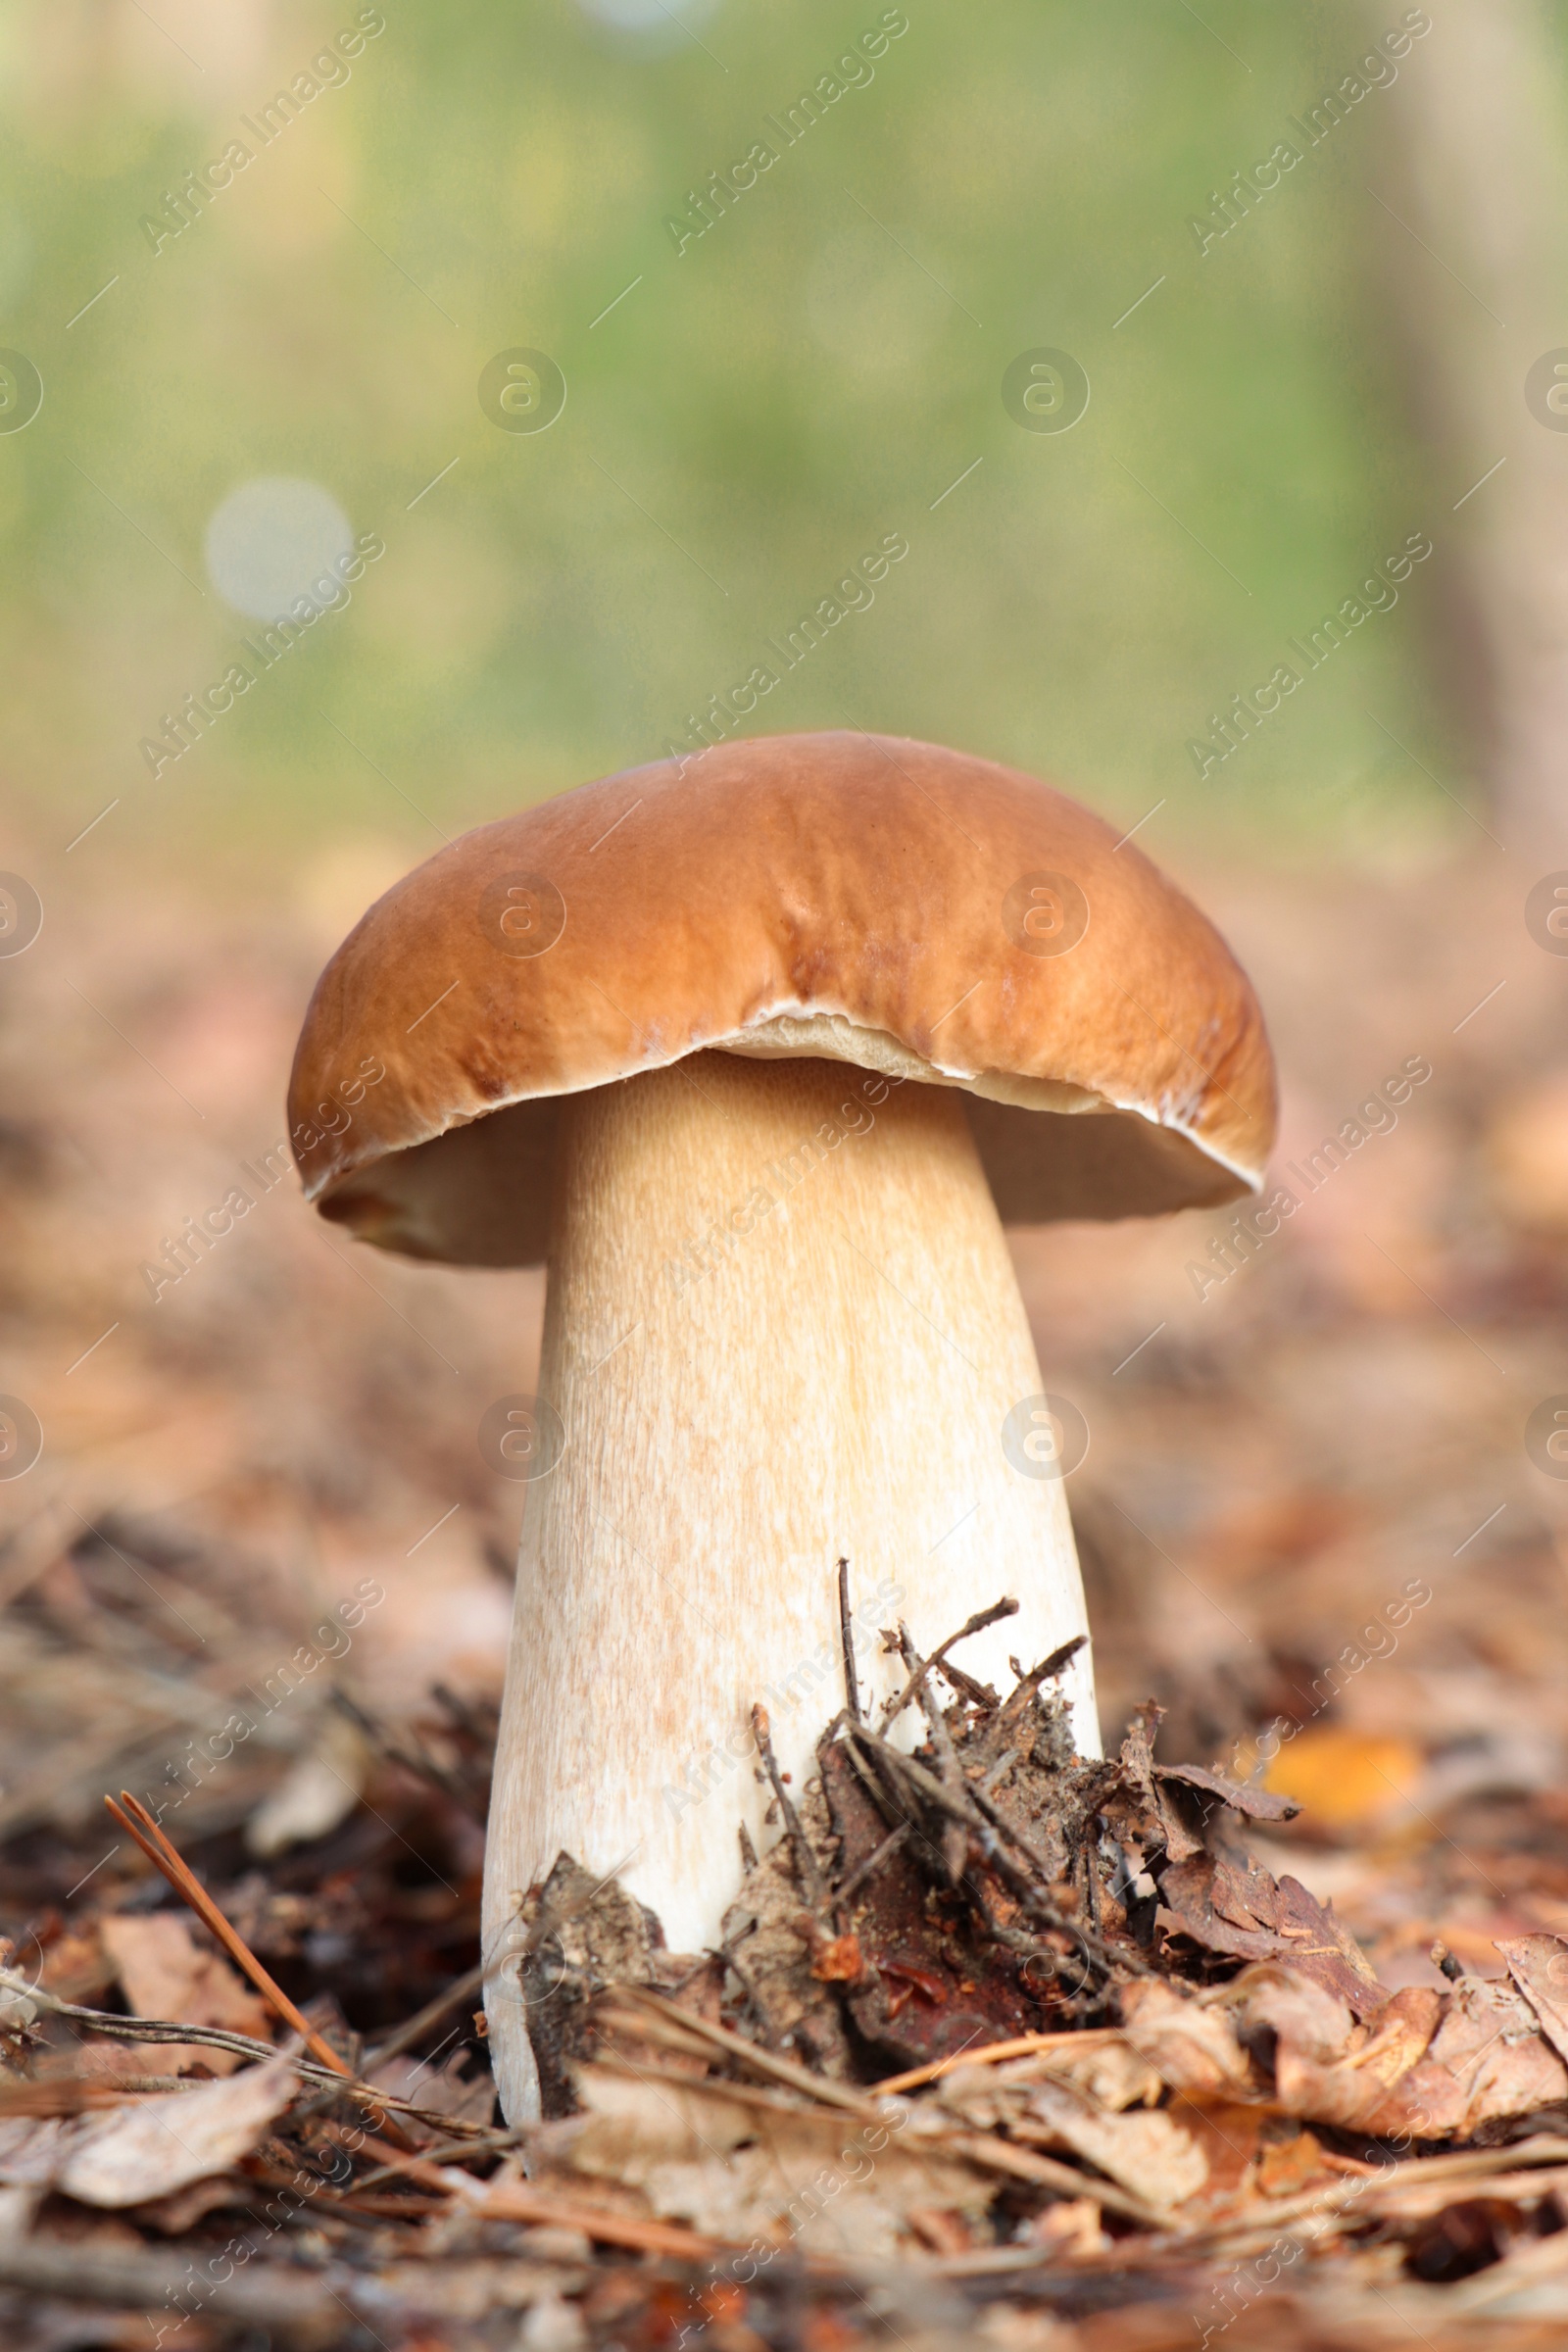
[[134, 1818], [976, 1624], [810, 1876]]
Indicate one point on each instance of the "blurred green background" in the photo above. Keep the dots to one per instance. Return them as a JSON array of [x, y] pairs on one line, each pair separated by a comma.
[[758, 410]]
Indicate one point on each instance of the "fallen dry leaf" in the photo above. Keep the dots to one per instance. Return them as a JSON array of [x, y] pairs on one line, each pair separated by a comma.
[[1538, 1966], [829, 2184], [1230, 1908], [30, 2150], [1527, 1153], [1311, 2021], [1241, 1796], [1188, 2041], [469, 2291], [1106, 2068], [1436, 2065], [1285, 2165], [1148, 2152], [164, 1973], [148, 2148], [440, 2089], [75, 1966], [1345, 1778], [157, 2145], [1070, 2231], [1489, 2046], [1232, 2138], [319, 1790], [173, 2214], [1327, 2069]]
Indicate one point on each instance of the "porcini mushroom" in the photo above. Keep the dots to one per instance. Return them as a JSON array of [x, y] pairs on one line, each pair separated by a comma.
[[761, 1057]]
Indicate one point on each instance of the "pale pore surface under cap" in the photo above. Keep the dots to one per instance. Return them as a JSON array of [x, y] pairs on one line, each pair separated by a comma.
[[835, 1037]]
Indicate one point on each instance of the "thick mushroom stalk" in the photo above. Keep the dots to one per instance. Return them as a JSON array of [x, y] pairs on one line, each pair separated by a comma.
[[782, 1326]]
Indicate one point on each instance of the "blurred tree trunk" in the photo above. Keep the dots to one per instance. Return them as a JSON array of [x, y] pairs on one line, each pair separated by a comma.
[[1474, 168]]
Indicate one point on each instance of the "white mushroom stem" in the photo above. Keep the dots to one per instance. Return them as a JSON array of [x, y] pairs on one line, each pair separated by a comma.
[[782, 1327]]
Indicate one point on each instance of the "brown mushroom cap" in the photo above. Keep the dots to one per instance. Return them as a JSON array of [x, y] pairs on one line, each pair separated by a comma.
[[862, 897]]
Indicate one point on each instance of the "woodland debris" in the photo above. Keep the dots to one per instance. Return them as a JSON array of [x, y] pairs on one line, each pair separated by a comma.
[[149, 2147], [1113, 2059], [163, 1972]]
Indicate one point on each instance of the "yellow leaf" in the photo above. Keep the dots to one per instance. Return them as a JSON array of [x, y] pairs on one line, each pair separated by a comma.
[[1344, 1779]]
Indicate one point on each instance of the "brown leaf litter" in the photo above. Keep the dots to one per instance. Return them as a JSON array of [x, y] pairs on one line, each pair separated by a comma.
[[1002, 2045]]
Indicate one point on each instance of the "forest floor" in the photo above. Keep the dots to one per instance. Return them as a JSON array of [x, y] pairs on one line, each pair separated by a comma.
[[259, 1578]]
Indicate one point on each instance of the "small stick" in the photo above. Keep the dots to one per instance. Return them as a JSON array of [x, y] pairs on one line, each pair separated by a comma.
[[748, 1985], [68, 2094], [712, 1952], [955, 1846], [135, 1817], [858, 1878], [993, 2053], [444, 2151], [1028, 1684], [291, 2306], [979, 1695], [820, 2089], [986, 1786], [401, 2038], [216, 2037], [659, 2033], [996, 1832], [520, 2201], [977, 1624], [852, 1688], [1016, 1836], [1092, 1883], [963, 1804], [146, 2029], [811, 1885], [414, 1760]]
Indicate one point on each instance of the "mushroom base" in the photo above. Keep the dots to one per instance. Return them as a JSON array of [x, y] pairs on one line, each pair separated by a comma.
[[782, 1328]]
